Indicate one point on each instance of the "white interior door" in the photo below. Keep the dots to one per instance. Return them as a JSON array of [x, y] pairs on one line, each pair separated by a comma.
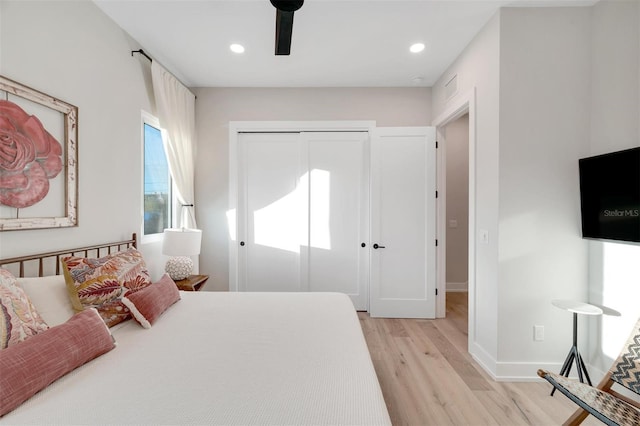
[[339, 214], [403, 179], [303, 213], [272, 212]]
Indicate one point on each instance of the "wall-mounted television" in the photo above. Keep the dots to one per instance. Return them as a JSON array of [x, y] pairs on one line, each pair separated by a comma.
[[610, 196]]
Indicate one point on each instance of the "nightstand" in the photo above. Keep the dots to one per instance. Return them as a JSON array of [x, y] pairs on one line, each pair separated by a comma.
[[192, 282]]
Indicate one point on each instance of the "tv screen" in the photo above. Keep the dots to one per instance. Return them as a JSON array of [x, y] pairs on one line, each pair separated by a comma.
[[610, 196]]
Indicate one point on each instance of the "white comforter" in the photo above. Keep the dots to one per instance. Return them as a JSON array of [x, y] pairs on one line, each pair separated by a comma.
[[225, 358]]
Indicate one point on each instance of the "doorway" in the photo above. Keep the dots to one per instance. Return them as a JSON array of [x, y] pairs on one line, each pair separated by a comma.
[[461, 105], [456, 153]]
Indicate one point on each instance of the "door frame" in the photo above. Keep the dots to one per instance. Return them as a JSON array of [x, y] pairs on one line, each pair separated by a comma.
[[463, 104], [237, 127]]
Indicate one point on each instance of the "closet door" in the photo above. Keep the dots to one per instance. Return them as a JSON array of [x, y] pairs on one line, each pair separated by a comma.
[[272, 212], [303, 213], [403, 178], [338, 214]]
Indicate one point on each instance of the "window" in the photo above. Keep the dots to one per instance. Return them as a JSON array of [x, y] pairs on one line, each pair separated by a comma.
[[157, 180]]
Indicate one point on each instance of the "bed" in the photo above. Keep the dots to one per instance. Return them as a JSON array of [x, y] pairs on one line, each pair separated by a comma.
[[219, 358]]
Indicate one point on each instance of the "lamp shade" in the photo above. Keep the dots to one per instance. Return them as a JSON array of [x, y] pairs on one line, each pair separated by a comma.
[[181, 242]]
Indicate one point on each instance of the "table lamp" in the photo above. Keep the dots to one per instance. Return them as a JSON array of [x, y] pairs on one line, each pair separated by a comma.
[[180, 244]]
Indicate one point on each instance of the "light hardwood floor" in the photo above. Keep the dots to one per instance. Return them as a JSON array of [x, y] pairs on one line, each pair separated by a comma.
[[428, 377]]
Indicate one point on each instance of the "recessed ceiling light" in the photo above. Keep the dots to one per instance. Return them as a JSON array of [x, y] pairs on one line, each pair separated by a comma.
[[237, 48], [417, 47]]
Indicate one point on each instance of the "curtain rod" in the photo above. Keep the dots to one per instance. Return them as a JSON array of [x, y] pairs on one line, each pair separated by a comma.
[[142, 52]]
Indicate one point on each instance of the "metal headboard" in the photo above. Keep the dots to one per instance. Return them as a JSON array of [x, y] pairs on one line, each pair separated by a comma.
[[98, 249]]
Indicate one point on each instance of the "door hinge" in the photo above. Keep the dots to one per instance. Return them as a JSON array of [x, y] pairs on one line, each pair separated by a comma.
[[436, 243], [436, 144], [436, 291], [436, 194]]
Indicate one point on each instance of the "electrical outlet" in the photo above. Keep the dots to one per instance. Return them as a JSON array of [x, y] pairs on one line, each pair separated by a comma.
[[538, 333]]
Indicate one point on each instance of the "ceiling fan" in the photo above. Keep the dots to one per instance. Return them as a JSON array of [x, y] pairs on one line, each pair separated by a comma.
[[284, 23]]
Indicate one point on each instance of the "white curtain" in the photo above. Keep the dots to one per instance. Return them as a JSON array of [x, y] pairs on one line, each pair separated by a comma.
[[176, 112]]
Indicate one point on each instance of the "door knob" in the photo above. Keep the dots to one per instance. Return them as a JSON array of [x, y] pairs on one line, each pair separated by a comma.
[[363, 245], [242, 243], [376, 246]]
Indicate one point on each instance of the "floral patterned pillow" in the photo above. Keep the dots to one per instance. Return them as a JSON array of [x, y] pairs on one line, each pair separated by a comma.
[[19, 320], [102, 283]]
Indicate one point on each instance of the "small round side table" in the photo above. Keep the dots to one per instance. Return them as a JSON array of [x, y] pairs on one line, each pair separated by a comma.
[[577, 308]]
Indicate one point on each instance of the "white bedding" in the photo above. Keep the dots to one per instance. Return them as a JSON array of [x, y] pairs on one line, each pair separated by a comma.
[[225, 358]]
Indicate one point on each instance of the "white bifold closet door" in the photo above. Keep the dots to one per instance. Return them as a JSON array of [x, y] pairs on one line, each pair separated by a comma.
[[303, 213]]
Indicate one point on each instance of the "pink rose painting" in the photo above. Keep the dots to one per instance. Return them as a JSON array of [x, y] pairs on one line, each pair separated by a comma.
[[29, 157]]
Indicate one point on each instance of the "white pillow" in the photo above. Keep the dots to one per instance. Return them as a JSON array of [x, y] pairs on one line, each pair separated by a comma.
[[50, 298]]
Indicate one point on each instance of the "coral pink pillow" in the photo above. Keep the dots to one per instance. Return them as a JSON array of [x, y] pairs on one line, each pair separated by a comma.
[[149, 303], [34, 364]]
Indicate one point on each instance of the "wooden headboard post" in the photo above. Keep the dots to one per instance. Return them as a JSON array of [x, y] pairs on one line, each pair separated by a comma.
[[21, 260]]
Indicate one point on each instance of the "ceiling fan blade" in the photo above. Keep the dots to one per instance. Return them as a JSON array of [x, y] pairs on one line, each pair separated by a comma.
[[284, 30]]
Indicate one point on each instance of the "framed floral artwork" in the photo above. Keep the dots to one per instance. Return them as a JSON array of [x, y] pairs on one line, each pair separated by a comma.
[[38, 159]]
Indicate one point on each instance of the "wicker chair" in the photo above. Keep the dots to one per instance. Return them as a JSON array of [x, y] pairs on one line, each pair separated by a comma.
[[601, 401]]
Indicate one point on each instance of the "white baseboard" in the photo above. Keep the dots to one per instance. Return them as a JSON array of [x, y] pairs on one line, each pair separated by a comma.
[[524, 371], [456, 287], [521, 371], [482, 357], [527, 371]]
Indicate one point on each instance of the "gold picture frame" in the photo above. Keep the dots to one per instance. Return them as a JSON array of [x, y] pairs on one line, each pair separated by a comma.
[[39, 184]]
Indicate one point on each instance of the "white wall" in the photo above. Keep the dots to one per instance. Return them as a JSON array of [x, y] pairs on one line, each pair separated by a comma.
[[215, 107], [614, 271], [568, 87], [544, 130], [478, 68], [457, 187], [72, 51]]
